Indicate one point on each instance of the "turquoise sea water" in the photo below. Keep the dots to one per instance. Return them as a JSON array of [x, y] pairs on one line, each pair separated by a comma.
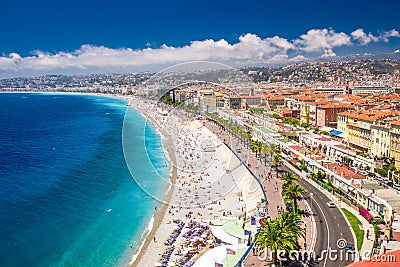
[[67, 197]]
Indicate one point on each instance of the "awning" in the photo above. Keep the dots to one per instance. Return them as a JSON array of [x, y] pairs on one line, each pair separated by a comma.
[[365, 213], [211, 256], [219, 233], [336, 132]]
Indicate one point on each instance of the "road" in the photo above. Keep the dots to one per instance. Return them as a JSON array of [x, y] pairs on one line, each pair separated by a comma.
[[331, 227]]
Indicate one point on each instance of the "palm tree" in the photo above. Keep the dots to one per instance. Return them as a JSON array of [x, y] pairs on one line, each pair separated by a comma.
[[271, 148], [270, 236], [259, 147], [289, 178], [276, 160], [293, 191], [288, 221], [247, 138], [319, 176], [303, 166], [279, 234], [265, 151]]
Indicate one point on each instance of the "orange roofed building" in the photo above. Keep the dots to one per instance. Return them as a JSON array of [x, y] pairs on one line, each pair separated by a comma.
[[327, 114]]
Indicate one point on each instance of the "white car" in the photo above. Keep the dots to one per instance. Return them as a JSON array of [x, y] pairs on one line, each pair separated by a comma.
[[331, 204]]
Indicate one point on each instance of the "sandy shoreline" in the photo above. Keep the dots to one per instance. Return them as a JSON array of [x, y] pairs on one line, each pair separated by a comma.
[[208, 182], [161, 212]]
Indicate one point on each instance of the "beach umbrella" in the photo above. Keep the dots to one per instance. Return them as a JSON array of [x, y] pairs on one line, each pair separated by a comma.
[[171, 264], [382, 226], [157, 264], [203, 235]]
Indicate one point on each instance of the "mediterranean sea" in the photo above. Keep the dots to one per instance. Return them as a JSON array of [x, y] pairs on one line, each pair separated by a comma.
[[67, 197]]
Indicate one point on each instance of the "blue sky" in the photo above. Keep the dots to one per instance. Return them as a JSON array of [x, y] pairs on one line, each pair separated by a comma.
[[43, 36]]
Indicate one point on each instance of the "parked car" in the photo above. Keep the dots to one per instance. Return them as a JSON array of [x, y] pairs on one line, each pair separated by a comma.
[[238, 150], [350, 248], [331, 204], [363, 172], [396, 186]]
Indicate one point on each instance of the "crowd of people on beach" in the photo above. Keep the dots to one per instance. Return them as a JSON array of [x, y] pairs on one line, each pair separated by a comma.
[[196, 236], [202, 190]]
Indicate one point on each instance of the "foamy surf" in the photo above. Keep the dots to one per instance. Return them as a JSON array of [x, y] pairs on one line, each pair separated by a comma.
[[143, 238]]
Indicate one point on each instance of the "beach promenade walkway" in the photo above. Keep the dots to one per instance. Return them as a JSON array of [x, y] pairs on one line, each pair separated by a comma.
[[272, 187]]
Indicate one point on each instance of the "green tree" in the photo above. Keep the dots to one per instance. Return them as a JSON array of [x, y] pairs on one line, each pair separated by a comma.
[[279, 234], [319, 176], [247, 137], [257, 147], [286, 120], [293, 191], [294, 122], [276, 160], [267, 148], [303, 167], [305, 125], [289, 178], [276, 116]]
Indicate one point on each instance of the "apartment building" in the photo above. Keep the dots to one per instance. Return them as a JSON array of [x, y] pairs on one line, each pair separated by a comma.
[[380, 140], [395, 142]]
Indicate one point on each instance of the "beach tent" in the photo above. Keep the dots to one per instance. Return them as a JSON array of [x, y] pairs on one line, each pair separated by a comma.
[[210, 257], [218, 232]]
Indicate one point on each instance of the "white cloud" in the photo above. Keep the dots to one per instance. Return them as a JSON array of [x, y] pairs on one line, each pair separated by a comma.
[[363, 38], [328, 53], [392, 33], [249, 49], [297, 58], [321, 39]]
